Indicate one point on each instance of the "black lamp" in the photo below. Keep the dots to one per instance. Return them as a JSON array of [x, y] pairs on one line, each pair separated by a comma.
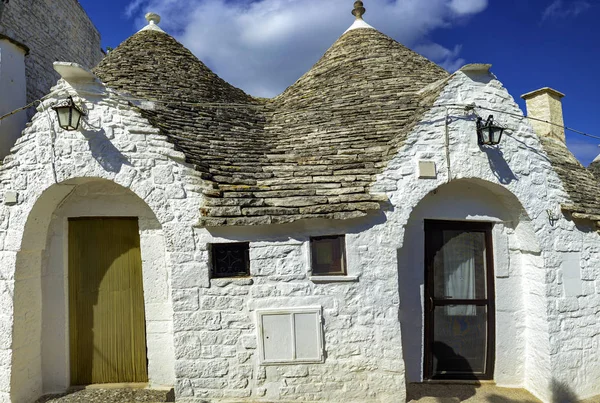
[[489, 133], [69, 114]]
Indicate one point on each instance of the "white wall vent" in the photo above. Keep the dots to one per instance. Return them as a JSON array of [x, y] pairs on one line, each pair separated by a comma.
[[427, 170]]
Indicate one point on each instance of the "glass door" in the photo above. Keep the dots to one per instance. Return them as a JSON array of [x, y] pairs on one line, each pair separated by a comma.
[[459, 306]]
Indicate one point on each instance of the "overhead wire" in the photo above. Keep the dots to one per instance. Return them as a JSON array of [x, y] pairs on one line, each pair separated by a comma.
[[221, 105]]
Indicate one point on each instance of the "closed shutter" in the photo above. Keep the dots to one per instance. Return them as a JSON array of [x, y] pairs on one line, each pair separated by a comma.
[[106, 302]]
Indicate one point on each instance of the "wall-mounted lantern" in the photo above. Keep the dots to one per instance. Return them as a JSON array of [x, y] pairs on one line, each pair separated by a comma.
[[489, 133], [69, 114]]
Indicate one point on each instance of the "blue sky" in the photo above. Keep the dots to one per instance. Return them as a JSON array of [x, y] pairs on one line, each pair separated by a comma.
[[264, 46]]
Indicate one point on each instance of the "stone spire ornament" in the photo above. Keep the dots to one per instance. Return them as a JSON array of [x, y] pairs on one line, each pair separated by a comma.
[[359, 10], [153, 21], [153, 18]]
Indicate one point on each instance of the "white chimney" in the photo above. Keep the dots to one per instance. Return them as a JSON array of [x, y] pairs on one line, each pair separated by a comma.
[[545, 107]]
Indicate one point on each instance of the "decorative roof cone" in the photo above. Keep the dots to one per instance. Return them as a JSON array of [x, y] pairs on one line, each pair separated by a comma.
[[153, 21], [358, 11]]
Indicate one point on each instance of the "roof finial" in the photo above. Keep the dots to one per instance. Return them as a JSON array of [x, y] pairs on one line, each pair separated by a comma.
[[153, 18], [153, 21], [359, 10]]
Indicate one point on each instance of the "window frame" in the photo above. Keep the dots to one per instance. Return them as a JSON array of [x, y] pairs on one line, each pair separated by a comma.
[[338, 253], [213, 264], [317, 310]]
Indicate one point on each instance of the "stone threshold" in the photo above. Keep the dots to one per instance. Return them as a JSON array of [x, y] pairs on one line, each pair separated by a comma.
[[455, 382], [136, 385]]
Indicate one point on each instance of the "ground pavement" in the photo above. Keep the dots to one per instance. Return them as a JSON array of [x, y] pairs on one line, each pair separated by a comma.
[[417, 393]]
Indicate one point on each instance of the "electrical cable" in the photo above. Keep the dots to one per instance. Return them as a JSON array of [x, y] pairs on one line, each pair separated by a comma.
[[219, 105]]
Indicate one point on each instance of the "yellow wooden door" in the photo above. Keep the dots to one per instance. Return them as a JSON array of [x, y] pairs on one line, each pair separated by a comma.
[[106, 302]]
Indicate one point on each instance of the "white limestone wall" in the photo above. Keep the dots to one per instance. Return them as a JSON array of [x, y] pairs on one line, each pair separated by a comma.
[[46, 165], [574, 286], [97, 199], [538, 248], [13, 94], [215, 330]]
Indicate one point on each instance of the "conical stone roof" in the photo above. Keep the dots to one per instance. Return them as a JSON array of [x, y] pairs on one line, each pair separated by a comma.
[[311, 152], [580, 183], [151, 65], [594, 168]]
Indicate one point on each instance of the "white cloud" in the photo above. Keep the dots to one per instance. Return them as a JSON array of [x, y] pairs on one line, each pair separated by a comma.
[[468, 7], [264, 46], [133, 6], [447, 58], [558, 9]]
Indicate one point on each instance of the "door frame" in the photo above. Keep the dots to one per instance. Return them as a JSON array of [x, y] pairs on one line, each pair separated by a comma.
[[430, 302]]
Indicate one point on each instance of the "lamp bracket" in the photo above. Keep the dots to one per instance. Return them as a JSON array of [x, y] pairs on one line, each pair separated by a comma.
[[553, 216], [470, 108]]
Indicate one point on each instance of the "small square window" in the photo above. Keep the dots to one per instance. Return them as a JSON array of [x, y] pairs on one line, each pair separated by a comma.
[[230, 260], [328, 255]]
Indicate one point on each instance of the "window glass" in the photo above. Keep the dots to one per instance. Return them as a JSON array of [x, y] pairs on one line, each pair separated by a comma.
[[328, 255]]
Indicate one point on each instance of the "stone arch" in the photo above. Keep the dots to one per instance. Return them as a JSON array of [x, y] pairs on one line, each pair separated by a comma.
[[515, 248], [40, 347]]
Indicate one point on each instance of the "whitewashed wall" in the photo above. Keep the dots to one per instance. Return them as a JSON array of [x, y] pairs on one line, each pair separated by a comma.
[[46, 165], [216, 351]]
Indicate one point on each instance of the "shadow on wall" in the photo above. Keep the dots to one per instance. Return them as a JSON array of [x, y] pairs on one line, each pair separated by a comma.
[[499, 166], [561, 393], [104, 151]]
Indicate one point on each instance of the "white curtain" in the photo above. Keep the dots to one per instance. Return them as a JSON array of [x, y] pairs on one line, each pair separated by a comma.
[[459, 269]]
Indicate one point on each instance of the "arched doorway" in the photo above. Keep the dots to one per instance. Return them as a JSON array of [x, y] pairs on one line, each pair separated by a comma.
[[478, 238], [116, 317]]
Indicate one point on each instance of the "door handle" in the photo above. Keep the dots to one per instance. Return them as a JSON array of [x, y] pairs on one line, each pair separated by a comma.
[[430, 304]]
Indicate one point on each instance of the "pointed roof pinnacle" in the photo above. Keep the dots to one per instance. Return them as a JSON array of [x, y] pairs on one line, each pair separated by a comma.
[[153, 21], [359, 10], [153, 18]]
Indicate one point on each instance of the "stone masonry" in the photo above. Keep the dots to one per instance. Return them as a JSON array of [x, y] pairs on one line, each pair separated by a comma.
[[546, 272], [51, 30]]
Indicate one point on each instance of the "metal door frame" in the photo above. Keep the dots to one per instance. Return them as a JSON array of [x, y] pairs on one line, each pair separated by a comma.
[[431, 302]]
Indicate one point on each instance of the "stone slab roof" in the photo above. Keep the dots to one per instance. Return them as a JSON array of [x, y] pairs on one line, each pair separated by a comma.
[[581, 185], [311, 152], [594, 168]]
